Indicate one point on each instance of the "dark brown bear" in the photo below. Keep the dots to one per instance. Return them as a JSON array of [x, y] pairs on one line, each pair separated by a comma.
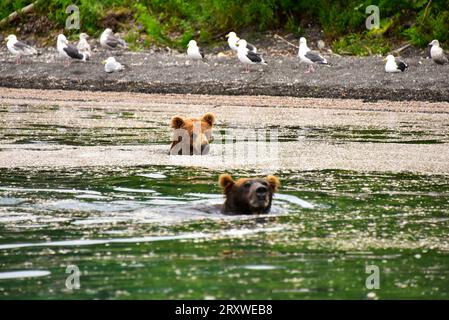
[[192, 135], [248, 195]]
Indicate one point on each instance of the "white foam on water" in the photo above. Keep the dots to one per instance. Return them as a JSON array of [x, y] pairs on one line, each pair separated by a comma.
[[187, 236], [152, 175], [31, 226], [101, 220], [261, 267], [92, 197], [294, 200], [69, 191], [87, 242], [92, 206], [24, 274], [16, 219], [10, 201], [165, 201], [246, 231], [122, 189], [205, 195]]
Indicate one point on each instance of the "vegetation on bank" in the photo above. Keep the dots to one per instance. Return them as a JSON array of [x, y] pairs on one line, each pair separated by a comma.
[[174, 22]]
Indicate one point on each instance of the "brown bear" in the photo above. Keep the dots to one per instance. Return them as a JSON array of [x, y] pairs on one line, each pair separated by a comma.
[[248, 195], [192, 135]]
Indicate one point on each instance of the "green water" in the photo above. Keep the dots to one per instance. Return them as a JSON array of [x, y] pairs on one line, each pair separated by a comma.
[[150, 232], [144, 233]]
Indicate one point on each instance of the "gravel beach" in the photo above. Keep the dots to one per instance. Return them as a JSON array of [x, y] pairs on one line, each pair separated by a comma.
[[221, 74]]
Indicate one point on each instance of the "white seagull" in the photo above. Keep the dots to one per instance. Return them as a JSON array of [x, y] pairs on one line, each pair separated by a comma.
[[194, 52], [308, 56], [393, 66], [69, 51], [437, 53], [84, 46], [19, 48], [110, 41], [111, 65], [233, 39], [246, 56]]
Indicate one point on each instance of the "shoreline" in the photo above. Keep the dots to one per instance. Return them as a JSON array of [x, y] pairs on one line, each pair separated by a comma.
[[157, 73]]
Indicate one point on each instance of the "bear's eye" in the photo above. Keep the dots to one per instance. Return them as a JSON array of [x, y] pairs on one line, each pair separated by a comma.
[[265, 184], [247, 184]]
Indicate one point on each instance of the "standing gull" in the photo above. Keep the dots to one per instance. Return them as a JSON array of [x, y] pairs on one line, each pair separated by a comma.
[[111, 65], [19, 48], [194, 52], [69, 51], [437, 53], [393, 66], [110, 41], [308, 56], [233, 39], [248, 57], [84, 46]]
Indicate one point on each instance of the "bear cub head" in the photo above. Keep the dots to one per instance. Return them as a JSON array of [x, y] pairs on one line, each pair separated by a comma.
[[192, 135], [248, 195]]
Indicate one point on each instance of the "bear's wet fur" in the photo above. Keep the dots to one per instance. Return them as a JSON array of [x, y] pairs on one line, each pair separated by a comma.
[[248, 195], [192, 135]]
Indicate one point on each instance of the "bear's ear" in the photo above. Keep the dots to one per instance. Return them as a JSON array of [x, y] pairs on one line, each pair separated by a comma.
[[177, 122], [225, 181], [209, 118], [273, 182]]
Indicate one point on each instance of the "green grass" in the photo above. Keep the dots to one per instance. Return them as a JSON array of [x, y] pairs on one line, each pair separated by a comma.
[[363, 44], [175, 22]]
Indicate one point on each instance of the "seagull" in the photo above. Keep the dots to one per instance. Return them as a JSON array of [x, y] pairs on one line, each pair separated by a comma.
[[392, 66], [246, 56], [436, 53], [84, 46], [109, 41], [233, 39], [308, 56], [19, 48], [69, 51], [111, 65], [194, 52]]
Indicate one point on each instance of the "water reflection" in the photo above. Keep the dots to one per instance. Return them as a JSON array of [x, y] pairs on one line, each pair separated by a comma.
[[159, 228]]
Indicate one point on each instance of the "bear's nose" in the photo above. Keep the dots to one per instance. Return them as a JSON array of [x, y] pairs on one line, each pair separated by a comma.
[[261, 190]]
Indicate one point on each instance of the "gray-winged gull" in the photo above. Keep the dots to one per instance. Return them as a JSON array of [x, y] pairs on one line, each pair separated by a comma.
[[84, 46], [194, 52], [308, 56], [437, 53], [233, 39], [19, 48], [110, 41], [111, 65], [246, 56], [69, 51]]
